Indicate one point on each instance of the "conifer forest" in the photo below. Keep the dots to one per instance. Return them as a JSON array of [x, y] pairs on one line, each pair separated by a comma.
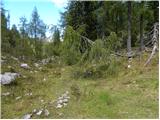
[[100, 61]]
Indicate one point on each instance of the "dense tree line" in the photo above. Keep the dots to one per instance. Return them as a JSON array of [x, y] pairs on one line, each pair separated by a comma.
[[30, 39], [97, 19], [110, 25]]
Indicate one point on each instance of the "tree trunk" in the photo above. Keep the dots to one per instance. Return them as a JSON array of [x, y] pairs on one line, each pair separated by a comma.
[[141, 33], [129, 30]]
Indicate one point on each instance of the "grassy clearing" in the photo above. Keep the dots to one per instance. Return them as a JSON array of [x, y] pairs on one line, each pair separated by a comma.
[[133, 93]]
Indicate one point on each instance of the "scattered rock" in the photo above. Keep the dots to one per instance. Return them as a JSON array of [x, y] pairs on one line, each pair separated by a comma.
[[129, 66], [28, 94], [36, 64], [65, 100], [27, 116], [65, 104], [46, 112], [6, 94], [2, 61], [59, 106], [34, 111], [3, 57], [44, 79], [42, 100], [19, 97], [39, 112], [25, 66], [14, 58], [8, 77], [60, 101]]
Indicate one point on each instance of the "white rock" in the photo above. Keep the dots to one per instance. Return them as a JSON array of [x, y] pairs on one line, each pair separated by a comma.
[[67, 92], [14, 58], [36, 64], [46, 112], [129, 66], [8, 77], [65, 100], [6, 94], [44, 79], [65, 104], [27, 116], [42, 100], [34, 111], [19, 97], [39, 112], [59, 106], [2, 61], [60, 98], [64, 95], [60, 101], [24, 65], [28, 94], [67, 97]]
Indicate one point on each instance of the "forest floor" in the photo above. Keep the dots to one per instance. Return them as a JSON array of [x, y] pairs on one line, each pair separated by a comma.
[[131, 94]]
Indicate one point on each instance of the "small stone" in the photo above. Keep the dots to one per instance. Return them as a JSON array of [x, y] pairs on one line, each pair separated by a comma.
[[65, 100], [39, 112], [27, 116], [60, 101], [67, 97], [6, 94], [59, 106], [24, 65], [46, 112], [42, 100], [44, 79], [35, 110], [28, 94], [65, 104], [129, 66], [36, 64], [19, 97], [60, 98]]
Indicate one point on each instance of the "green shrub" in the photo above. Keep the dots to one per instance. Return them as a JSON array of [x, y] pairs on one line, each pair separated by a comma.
[[71, 47]]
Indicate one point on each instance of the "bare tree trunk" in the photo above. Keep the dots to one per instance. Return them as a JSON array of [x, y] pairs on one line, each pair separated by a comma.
[[141, 33], [129, 30]]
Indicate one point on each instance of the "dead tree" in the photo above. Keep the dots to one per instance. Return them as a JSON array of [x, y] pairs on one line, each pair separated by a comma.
[[154, 41]]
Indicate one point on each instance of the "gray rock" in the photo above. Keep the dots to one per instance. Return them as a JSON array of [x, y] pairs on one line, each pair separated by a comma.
[[25, 66], [60, 101], [8, 77], [36, 64], [34, 111], [6, 94], [14, 58], [65, 100], [27, 116], [19, 97], [59, 106], [65, 104], [46, 112], [39, 112]]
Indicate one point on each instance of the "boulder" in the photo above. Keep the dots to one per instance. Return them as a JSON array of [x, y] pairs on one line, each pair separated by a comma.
[[8, 77]]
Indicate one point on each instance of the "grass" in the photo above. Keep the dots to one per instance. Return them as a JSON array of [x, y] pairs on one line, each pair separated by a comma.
[[133, 93]]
